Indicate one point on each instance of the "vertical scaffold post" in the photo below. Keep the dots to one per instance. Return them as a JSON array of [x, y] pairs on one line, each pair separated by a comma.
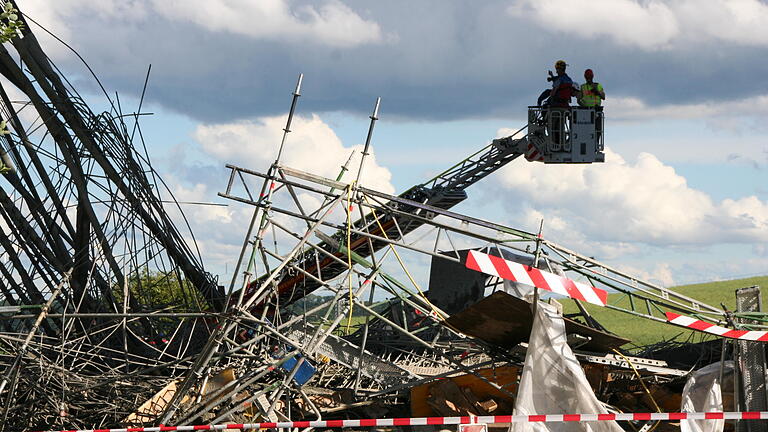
[[266, 194], [373, 117], [536, 255], [296, 94]]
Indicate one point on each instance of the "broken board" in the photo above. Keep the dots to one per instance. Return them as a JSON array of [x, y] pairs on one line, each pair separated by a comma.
[[504, 320]]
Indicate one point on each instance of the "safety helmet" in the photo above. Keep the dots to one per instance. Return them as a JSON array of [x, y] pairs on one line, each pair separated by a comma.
[[588, 74], [560, 64]]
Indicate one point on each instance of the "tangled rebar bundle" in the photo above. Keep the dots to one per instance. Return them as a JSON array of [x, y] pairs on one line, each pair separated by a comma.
[[97, 277]]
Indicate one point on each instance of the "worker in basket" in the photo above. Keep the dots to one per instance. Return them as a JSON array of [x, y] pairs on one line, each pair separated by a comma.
[[558, 100], [592, 95]]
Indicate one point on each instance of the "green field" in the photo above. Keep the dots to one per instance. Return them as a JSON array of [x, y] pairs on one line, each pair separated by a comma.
[[643, 331]]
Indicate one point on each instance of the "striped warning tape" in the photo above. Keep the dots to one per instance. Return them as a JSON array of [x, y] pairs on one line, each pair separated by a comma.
[[697, 324], [532, 153], [528, 275], [421, 421]]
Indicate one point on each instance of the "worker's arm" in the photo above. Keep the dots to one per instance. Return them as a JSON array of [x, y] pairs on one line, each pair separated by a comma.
[[600, 90]]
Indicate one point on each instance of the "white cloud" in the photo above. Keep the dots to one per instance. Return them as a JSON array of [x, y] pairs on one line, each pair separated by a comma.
[[330, 23], [698, 271], [660, 274], [61, 18], [634, 109], [559, 229], [311, 146], [218, 228], [638, 216], [505, 132], [736, 21], [645, 202], [202, 213], [650, 25], [681, 144], [24, 109], [653, 24]]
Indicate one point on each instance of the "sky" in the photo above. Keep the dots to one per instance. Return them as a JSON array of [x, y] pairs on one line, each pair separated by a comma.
[[681, 198]]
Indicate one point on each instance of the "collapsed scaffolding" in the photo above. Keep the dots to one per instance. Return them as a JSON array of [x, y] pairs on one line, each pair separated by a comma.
[[111, 319]]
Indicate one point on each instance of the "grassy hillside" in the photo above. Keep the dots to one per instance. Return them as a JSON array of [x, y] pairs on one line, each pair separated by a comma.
[[642, 331]]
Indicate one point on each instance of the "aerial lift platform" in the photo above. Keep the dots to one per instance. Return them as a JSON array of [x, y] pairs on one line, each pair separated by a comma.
[[561, 135]]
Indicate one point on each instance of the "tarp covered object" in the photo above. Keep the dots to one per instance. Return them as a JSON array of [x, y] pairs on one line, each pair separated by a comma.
[[553, 382], [519, 290], [702, 393]]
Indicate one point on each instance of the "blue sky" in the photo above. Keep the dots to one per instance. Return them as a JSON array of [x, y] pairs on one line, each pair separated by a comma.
[[682, 198]]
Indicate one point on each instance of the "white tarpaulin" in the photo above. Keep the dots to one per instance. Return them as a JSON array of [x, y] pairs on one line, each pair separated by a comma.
[[702, 393], [553, 382], [519, 290]]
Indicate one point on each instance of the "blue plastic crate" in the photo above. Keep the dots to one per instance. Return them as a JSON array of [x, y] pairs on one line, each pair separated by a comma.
[[305, 372]]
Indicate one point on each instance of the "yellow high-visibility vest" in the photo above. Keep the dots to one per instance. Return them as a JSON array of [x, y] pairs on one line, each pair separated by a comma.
[[590, 98]]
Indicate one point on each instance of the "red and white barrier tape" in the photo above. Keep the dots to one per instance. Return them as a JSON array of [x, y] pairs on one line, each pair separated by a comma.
[[697, 324], [528, 275], [532, 153], [421, 421]]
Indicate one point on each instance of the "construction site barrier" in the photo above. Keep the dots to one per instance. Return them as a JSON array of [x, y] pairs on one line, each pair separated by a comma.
[[697, 324], [425, 421]]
